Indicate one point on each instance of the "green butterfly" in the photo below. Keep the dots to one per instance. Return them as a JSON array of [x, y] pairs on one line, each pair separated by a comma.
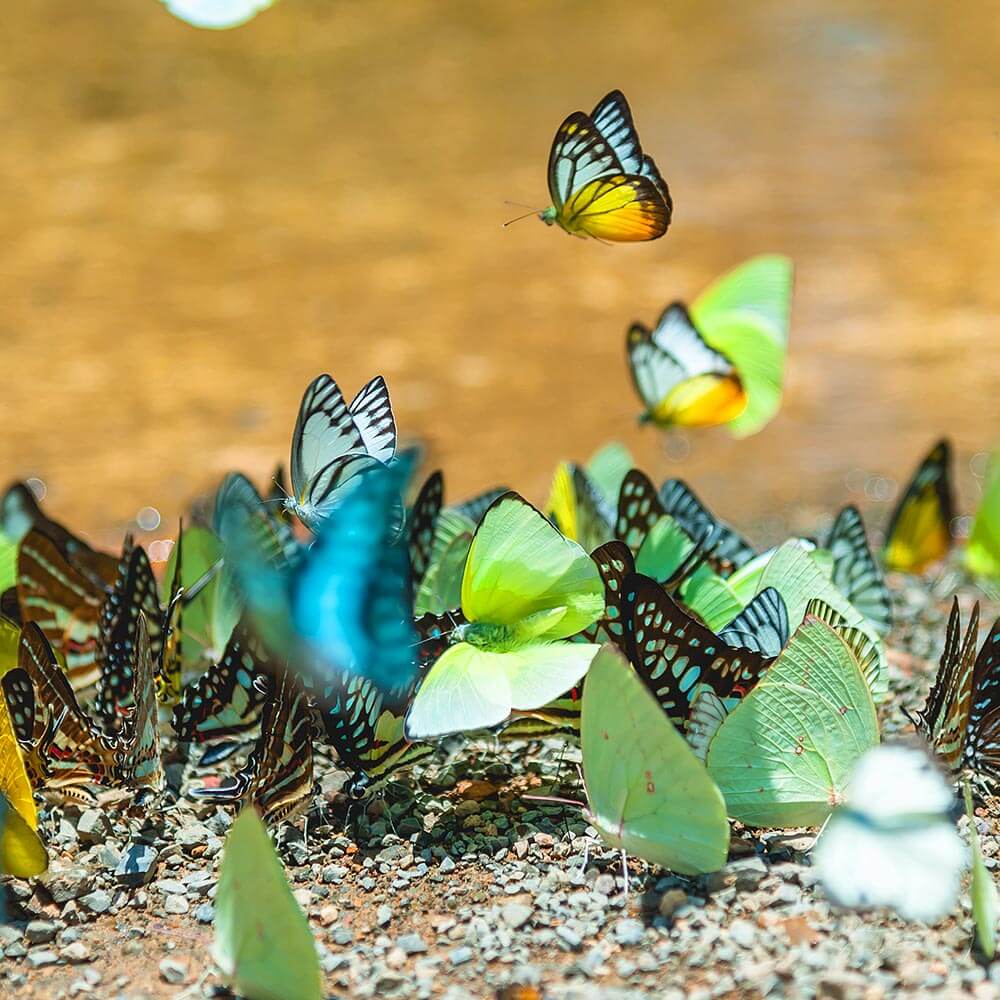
[[525, 587], [263, 944], [647, 792], [982, 554], [784, 754]]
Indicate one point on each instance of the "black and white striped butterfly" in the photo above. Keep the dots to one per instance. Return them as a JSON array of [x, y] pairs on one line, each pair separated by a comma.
[[856, 572], [333, 442]]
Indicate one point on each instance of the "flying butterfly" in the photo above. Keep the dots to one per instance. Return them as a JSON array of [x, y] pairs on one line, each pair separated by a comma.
[[333, 442], [680, 379], [961, 719], [601, 183], [919, 531]]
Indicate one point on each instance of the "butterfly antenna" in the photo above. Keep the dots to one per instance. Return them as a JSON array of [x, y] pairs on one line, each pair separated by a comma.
[[516, 204]]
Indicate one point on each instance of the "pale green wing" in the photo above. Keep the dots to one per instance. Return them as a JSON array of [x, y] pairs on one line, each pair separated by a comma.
[[711, 598], [466, 689], [211, 615], [985, 906], [607, 468], [519, 564], [745, 316], [784, 754], [441, 587], [982, 554], [8, 562], [648, 793], [761, 288], [664, 549], [540, 673], [263, 944], [745, 581], [796, 574]]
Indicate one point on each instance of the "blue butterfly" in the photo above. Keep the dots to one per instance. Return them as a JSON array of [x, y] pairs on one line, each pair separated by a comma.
[[344, 604]]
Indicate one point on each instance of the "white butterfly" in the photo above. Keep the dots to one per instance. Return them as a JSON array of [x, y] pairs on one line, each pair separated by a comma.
[[216, 13], [334, 442], [895, 843]]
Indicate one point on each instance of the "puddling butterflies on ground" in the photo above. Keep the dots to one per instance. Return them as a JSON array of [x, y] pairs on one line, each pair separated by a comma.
[[601, 183]]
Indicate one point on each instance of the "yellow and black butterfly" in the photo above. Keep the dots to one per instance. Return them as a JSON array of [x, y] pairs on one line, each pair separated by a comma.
[[681, 381], [919, 532], [961, 719], [601, 183]]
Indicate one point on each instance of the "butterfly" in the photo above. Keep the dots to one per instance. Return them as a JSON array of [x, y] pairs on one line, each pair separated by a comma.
[[272, 957], [278, 775], [525, 588], [169, 663], [676, 657], [227, 699], [72, 748], [216, 14], [333, 442], [601, 183], [578, 508], [919, 531], [856, 573], [65, 599], [894, 842], [783, 755], [135, 595], [680, 379], [647, 792], [22, 852], [346, 604], [982, 553], [961, 719]]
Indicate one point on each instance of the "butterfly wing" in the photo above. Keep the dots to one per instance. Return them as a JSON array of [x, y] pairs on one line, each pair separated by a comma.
[[579, 156], [466, 689], [762, 626], [272, 957], [144, 765], [648, 793], [919, 531], [228, 697], [519, 565], [421, 523], [615, 563], [372, 414], [639, 508], [981, 752], [855, 571]]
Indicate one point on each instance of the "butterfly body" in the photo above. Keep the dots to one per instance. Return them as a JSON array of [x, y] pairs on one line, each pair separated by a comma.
[[601, 183]]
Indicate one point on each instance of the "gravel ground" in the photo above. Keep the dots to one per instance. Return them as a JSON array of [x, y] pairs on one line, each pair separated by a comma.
[[454, 884]]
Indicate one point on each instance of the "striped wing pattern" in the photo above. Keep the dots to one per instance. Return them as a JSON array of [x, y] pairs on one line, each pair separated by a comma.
[[981, 753], [64, 601], [856, 573], [727, 549], [230, 695], [278, 775], [421, 523], [762, 626]]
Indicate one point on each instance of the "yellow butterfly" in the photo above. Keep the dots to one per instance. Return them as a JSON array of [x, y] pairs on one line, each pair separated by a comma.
[[919, 531], [21, 850], [601, 183], [680, 379]]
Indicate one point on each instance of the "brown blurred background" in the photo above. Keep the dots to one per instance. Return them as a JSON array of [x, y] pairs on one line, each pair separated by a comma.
[[196, 223]]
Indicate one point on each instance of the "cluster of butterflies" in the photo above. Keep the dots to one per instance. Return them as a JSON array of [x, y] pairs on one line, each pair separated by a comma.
[[331, 612], [630, 616]]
